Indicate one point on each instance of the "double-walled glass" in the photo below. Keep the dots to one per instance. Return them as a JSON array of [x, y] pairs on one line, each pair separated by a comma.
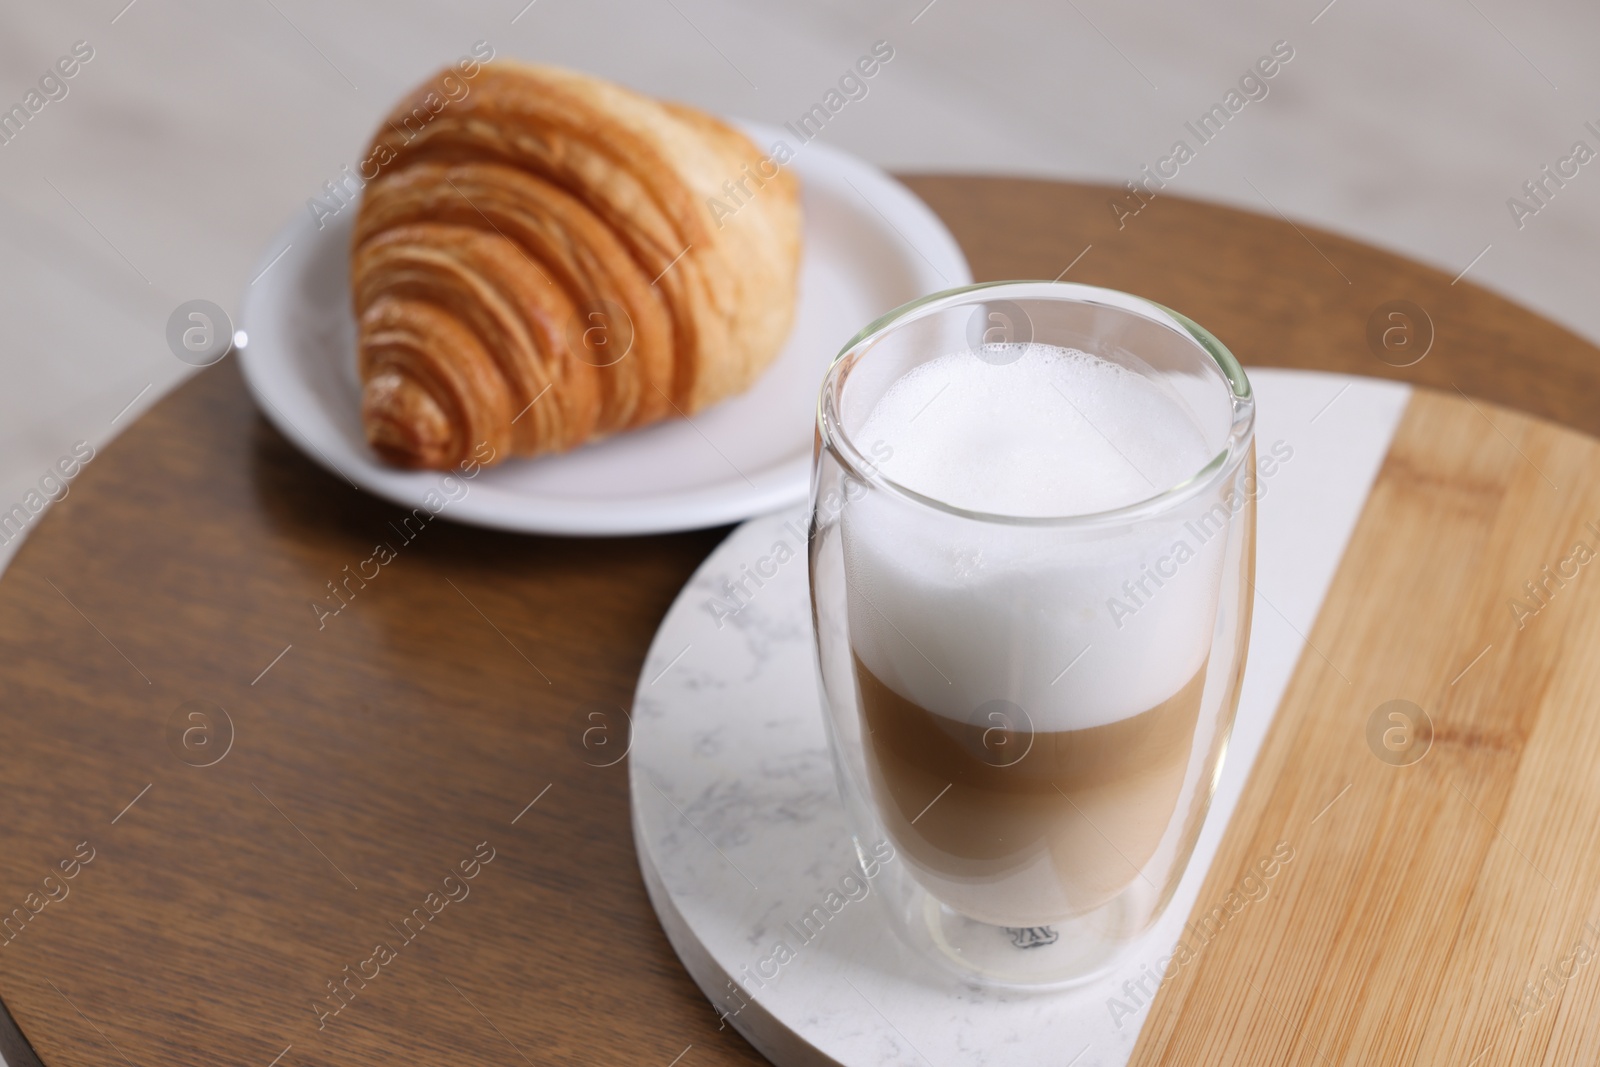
[[1029, 713]]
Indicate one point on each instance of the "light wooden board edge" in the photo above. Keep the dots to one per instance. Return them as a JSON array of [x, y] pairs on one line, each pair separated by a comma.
[[1422, 898]]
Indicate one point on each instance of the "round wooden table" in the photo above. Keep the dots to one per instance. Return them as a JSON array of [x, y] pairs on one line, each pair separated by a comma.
[[219, 803]]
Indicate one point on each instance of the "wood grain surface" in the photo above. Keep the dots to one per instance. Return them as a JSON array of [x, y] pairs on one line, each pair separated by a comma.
[[1441, 906], [1278, 294], [377, 755]]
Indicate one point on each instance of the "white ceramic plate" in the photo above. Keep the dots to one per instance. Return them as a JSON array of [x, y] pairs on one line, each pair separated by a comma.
[[870, 246]]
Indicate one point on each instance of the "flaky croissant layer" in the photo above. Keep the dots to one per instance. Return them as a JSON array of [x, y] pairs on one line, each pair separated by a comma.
[[537, 265]]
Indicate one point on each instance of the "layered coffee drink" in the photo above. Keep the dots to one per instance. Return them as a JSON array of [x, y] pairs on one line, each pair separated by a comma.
[[1030, 690]]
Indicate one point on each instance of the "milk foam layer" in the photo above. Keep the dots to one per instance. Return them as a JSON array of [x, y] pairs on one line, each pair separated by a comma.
[[1040, 431], [952, 613]]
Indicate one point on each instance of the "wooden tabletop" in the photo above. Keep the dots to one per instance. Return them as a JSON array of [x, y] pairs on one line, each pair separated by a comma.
[[216, 806]]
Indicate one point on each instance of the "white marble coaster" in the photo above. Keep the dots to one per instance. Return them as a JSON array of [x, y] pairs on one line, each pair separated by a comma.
[[740, 830]]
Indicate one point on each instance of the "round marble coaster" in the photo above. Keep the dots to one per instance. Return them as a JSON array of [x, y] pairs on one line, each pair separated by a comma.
[[741, 835]]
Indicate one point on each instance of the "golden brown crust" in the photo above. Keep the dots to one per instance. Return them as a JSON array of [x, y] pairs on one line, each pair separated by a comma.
[[540, 263]]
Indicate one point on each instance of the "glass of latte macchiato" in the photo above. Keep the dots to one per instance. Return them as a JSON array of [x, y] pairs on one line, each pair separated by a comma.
[[1033, 524]]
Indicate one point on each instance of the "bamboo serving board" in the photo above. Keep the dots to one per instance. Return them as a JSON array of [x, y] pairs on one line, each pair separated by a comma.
[[1443, 902], [1363, 852]]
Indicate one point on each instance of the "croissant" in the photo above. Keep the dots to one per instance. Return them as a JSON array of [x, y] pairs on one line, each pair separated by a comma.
[[539, 263]]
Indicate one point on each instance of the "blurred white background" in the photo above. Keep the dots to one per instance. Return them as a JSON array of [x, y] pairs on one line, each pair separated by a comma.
[[198, 129]]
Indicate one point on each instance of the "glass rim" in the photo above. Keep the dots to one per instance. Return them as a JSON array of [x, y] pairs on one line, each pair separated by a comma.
[[832, 436]]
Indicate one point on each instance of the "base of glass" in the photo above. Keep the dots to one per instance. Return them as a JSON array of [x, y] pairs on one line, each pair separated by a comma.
[[1056, 956]]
